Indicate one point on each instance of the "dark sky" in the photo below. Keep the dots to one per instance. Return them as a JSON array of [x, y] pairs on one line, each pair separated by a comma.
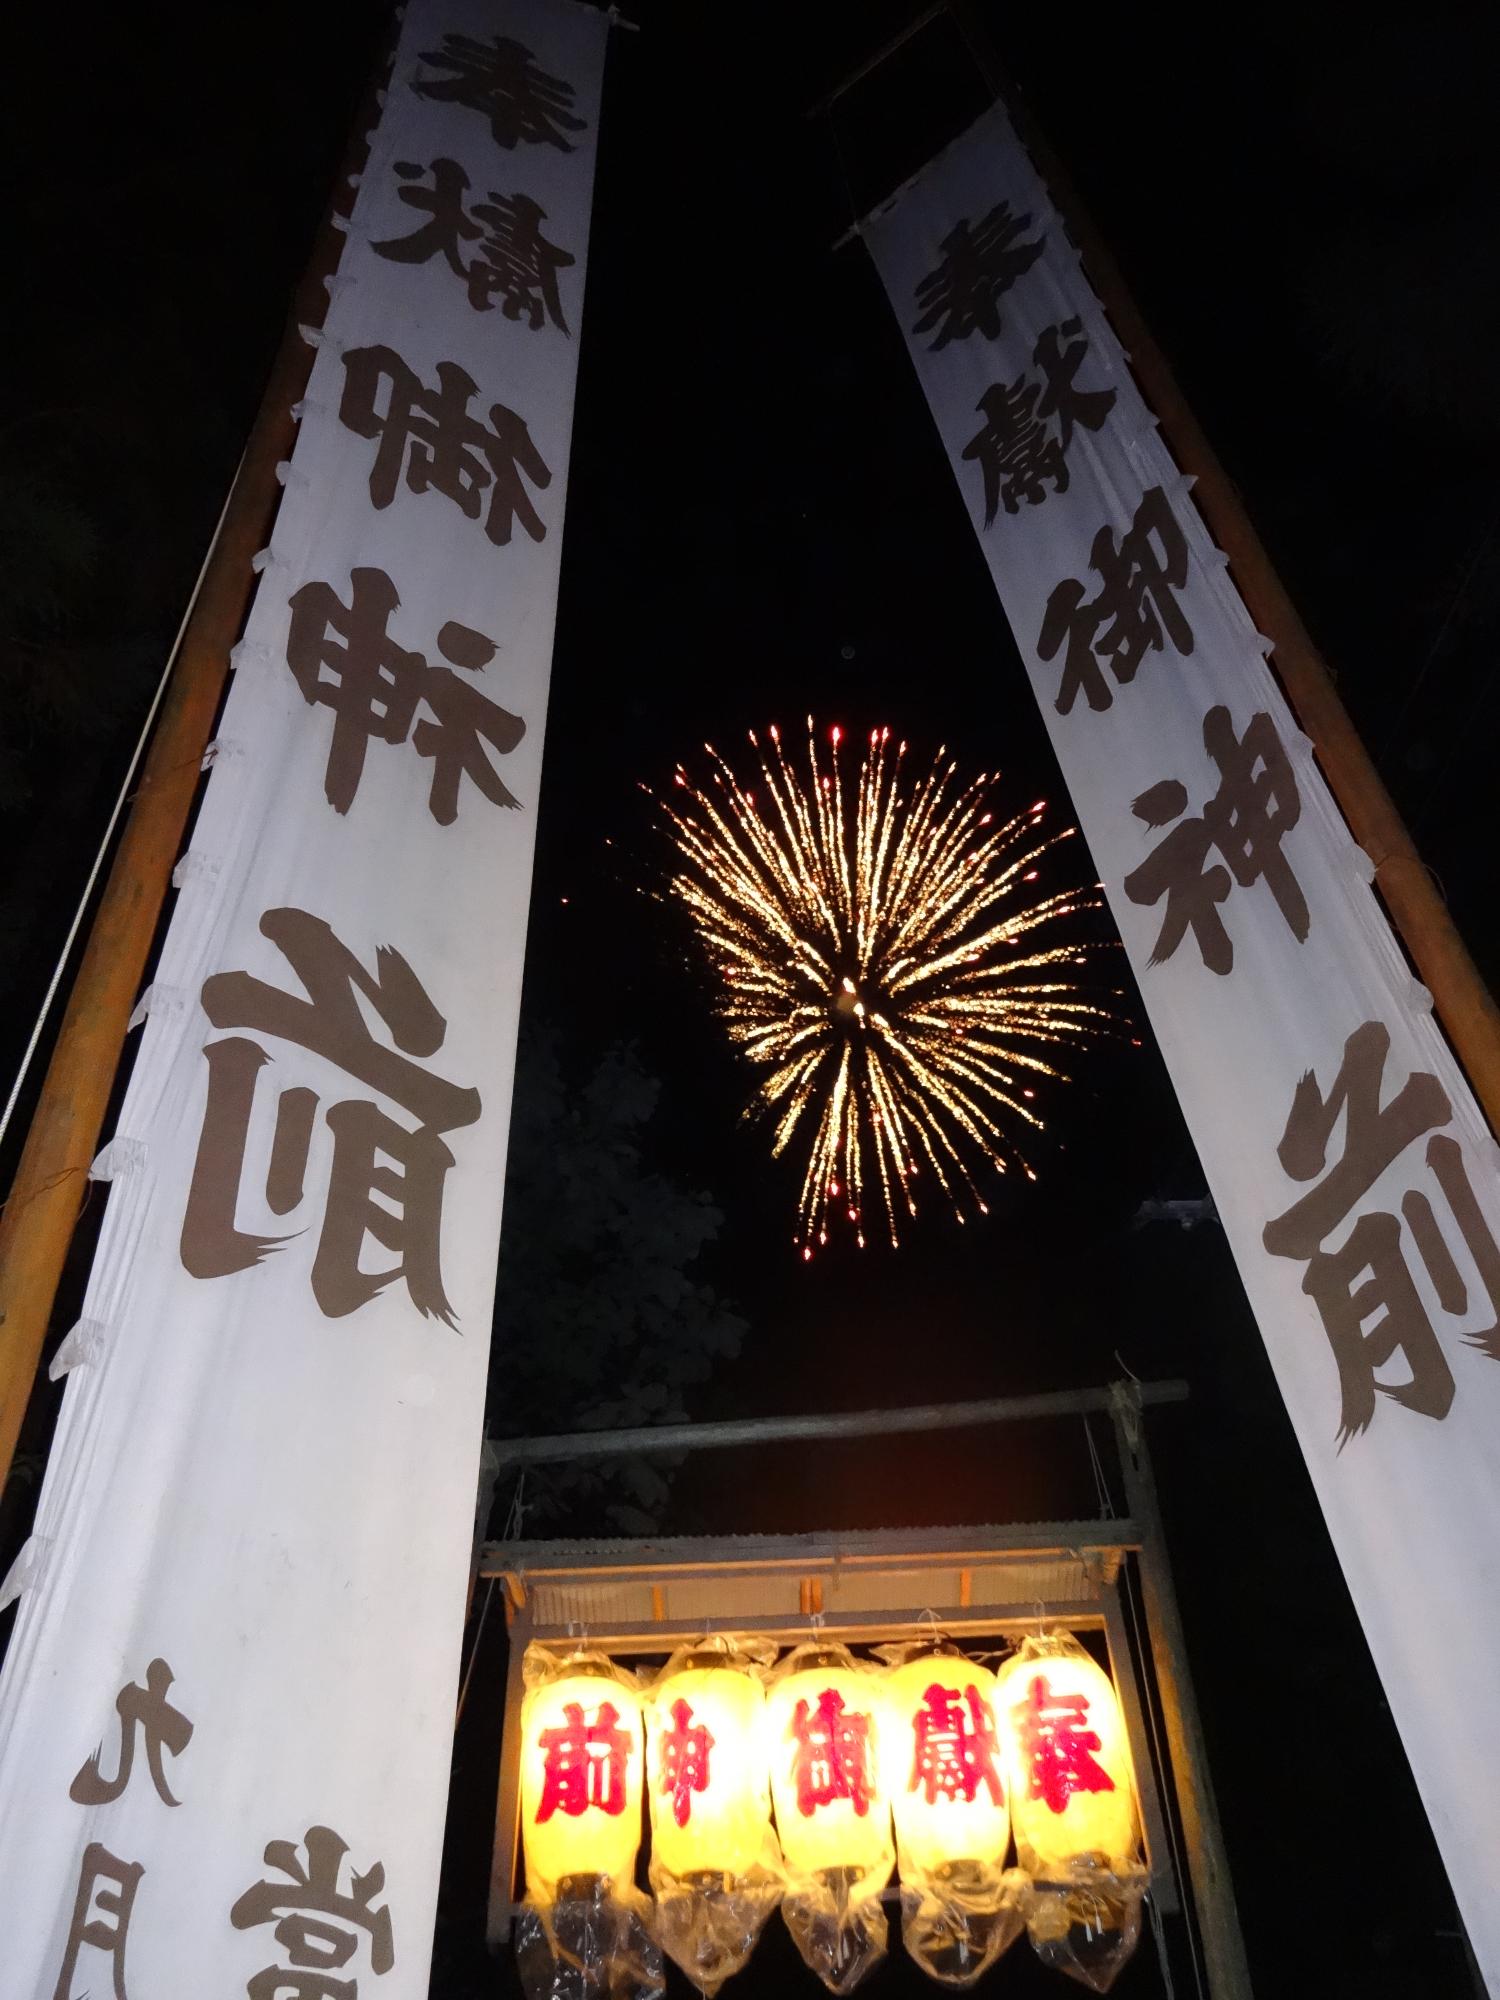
[[761, 523]]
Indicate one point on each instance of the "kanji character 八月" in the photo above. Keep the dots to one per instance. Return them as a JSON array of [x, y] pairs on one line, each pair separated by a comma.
[[833, 1755], [385, 1178], [165, 1728], [500, 78], [1247, 819], [1364, 1288], [1029, 424], [430, 434], [343, 658], [583, 1763], [512, 260], [1058, 1746], [684, 1760], [1132, 613], [318, 1924], [980, 263], [954, 1746]]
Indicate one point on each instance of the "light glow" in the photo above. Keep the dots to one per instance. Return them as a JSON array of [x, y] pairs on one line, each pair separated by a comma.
[[893, 1012]]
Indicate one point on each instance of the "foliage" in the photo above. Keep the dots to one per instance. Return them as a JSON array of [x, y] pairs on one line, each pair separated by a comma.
[[599, 1321]]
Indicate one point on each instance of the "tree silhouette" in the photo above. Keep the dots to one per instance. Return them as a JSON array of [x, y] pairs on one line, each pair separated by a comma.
[[599, 1321]]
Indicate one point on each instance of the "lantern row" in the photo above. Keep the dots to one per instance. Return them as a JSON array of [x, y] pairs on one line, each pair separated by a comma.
[[801, 1784]]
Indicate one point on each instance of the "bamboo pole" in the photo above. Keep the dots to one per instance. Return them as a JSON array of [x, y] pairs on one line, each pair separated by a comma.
[[39, 1215], [1463, 1002]]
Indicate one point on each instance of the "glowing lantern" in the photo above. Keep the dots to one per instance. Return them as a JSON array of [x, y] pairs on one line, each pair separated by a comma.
[[832, 1810], [1073, 1806], [961, 1907], [715, 1865], [580, 1775], [944, 1762], [1072, 1792]]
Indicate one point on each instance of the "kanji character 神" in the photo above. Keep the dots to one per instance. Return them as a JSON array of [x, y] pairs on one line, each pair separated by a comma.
[[165, 1728], [1019, 449], [583, 1763], [1132, 613], [684, 1760], [430, 434], [954, 1746], [500, 78], [385, 1178], [101, 1916], [512, 261], [343, 658], [1364, 1289], [981, 261], [1246, 820], [833, 1755], [318, 1924], [1058, 1746]]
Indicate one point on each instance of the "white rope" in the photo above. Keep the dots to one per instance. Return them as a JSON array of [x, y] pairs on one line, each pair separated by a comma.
[[149, 724]]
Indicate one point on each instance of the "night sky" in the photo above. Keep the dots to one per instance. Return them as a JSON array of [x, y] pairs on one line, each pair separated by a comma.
[[761, 525]]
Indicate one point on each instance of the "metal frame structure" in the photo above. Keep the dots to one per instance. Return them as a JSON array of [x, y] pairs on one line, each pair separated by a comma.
[[636, 1599]]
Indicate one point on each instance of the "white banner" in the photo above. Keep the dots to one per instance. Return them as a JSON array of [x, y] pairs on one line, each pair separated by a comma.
[[227, 1711], [1353, 1171]]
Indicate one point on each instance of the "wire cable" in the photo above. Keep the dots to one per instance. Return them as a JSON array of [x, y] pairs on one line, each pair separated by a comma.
[[50, 997]]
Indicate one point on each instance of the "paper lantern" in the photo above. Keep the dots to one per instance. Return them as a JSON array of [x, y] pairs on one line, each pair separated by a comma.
[[715, 1865], [580, 1776], [944, 1763], [822, 1716], [832, 1811], [1072, 1793], [706, 1768], [1073, 1807], [961, 1908]]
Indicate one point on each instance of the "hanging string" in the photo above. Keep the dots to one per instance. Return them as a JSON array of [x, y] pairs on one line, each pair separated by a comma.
[[1101, 1484], [484, 1612], [517, 1511], [1159, 1935]]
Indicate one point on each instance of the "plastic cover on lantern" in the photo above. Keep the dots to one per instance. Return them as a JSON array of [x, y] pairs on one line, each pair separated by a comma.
[[961, 1907], [583, 1932], [832, 1811], [1073, 1807], [716, 1867]]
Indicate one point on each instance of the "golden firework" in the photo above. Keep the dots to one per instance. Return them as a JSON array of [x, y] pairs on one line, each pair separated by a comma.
[[886, 966]]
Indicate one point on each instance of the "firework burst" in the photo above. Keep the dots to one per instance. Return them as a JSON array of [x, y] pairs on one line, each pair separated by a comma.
[[886, 965]]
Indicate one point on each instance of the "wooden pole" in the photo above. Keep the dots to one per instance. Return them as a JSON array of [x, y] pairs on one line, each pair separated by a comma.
[[37, 1222], [1463, 1002], [1208, 1864]]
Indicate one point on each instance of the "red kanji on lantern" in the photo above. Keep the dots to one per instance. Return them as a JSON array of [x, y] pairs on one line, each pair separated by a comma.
[[684, 1760], [833, 1755], [1057, 1745], [954, 1746], [584, 1763]]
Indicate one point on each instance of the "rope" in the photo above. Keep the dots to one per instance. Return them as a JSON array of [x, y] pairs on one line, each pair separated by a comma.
[[484, 1612], [1159, 1935], [123, 797], [1101, 1484]]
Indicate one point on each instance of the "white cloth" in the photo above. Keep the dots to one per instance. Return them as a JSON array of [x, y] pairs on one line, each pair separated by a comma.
[[276, 1502], [1412, 1499]]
